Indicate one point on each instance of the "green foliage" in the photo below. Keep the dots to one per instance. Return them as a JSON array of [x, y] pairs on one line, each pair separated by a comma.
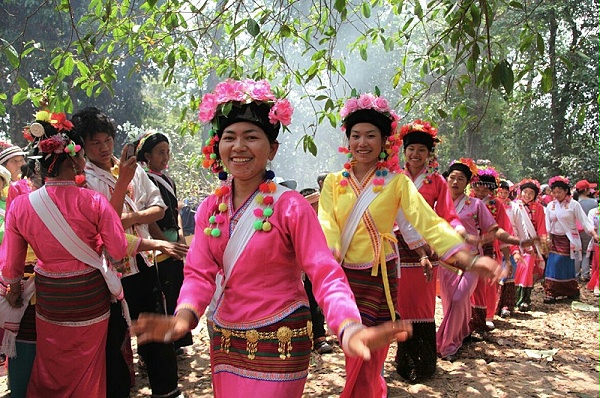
[[458, 63]]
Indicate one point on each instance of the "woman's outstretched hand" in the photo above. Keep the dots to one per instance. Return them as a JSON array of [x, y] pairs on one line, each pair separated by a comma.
[[364, 340], [159, 328]]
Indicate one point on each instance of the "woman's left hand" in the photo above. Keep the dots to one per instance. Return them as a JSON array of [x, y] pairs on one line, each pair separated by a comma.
[[427, 269], [14, 298], [371, 338]]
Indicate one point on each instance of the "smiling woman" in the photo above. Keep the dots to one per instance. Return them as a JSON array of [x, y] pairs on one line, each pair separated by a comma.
[[253, 240]]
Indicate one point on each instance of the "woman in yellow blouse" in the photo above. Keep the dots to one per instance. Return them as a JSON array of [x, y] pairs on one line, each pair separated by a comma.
[[357, 212]]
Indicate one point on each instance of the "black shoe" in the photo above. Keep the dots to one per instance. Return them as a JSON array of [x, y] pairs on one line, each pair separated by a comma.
[[549, 300], [574, 296], [473, 338], [323, 347], [450, 358]]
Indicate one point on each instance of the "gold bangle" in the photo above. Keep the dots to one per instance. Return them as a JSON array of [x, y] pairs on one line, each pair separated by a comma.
[[472, 263]]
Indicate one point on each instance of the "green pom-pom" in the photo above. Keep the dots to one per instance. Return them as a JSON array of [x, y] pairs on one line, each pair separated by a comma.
[[268, 212], [216, 232], [258, 225], [213, 155], [212, 219]]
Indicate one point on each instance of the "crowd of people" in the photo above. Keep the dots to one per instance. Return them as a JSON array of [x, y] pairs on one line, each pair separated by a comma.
[[94, 251]]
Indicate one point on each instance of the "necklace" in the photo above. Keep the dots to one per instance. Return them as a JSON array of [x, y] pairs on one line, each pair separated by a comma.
[[264, 199]]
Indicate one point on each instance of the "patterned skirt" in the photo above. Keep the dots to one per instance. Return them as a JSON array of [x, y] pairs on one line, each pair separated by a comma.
[[560, 269], [276, 357], [369, 293]]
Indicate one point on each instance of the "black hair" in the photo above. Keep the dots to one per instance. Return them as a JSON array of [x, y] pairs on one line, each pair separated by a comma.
[[561, 184], [151, 140], [378, 119], [92, 120], [308, 191], [50, 162], [463, 168], [532, 186]]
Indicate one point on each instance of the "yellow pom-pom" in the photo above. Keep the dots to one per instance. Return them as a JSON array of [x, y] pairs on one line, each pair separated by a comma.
[[377, 188], [222, 207], [266, 226], [259, 199], [341, 190], [43, 115], [207, 231]]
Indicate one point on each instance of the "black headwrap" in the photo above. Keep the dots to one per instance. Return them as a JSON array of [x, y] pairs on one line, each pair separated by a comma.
[[463, 168], [253, 113], [378, 119]]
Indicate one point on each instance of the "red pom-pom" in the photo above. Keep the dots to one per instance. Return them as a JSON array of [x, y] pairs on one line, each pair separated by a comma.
[[80, 179], [268, 200], [264, 187]]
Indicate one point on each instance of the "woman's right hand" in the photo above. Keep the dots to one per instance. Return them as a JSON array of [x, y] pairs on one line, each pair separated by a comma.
[[366, 339], [159, 328], [488, 268], [127, 167], [174, 249]]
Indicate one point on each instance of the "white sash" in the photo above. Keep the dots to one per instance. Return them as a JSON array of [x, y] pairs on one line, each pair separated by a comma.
[[10, 317], [235, 247], [363, 201], [419, 180], [109, 180], [571, 233], [59, 227], [528, 225], [162, 182]]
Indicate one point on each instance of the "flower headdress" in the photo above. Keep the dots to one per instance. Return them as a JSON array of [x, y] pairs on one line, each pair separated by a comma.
[[422, 132], [228, 99], [486, 176], [528, 183], [562, 179], [48, 136], [465, 165], [419, 126], [244, 100], [373, 109]]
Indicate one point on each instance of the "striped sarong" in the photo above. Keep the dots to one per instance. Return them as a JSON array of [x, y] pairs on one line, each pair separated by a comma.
[[369, 293], [560, 279], [75, 300], [266, 363]]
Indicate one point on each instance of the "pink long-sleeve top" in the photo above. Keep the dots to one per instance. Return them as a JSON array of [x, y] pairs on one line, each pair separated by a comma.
[[475, 216], [89, 214], [434, 190], [265, 285]]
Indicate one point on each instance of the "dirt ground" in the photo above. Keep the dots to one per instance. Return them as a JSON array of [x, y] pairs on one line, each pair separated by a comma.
[[506, 364]]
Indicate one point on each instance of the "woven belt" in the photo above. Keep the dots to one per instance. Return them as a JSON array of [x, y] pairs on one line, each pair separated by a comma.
[[283, 335]]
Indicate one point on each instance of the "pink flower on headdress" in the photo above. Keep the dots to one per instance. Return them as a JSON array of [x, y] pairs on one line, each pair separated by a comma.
[[228, 91], [281, 112], [380, 104], [245, 92], [350, 107], [208, 107], [260, 90], [488, 171], [367, 101], [558, 178]]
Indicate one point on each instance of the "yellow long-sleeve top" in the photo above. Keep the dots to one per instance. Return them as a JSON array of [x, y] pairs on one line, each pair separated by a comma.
[[377, 222]]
